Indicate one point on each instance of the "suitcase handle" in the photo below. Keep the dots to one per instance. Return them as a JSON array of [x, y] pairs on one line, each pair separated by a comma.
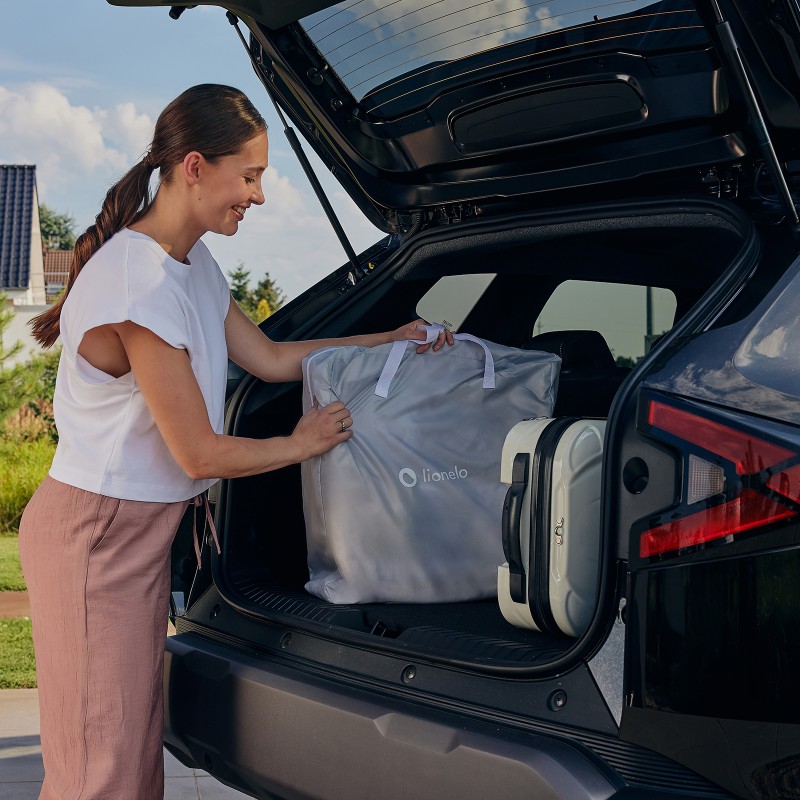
[[431, 333], [512, 515]]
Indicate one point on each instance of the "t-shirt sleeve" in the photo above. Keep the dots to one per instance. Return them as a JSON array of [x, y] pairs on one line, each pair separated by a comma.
[[114, 288]]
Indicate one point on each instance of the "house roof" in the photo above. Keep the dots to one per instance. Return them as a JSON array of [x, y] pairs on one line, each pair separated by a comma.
[[17, 196], [57, 264]]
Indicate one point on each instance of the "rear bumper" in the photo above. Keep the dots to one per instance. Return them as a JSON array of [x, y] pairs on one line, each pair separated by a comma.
[[269, 730]]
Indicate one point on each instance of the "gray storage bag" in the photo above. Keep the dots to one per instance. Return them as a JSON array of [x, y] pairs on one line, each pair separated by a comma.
[[408, 509]]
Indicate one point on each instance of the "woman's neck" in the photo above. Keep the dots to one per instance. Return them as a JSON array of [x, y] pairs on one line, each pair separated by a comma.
[[164, 223]]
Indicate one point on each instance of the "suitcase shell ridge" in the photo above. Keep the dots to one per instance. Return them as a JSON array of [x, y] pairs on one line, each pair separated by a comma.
[[559, 595]]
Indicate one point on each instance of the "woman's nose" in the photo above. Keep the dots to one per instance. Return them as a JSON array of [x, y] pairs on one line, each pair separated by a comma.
[[258, 194]]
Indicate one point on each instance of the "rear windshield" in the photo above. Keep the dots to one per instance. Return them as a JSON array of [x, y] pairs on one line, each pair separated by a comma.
[[384, 51]]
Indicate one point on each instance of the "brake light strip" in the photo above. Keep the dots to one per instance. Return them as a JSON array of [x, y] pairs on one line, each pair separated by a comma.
[[749, 454]]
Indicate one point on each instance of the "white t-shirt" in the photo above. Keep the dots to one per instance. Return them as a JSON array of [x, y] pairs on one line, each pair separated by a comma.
[[108, 440]]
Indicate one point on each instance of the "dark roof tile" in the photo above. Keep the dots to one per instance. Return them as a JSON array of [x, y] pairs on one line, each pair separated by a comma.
[[17, 194]]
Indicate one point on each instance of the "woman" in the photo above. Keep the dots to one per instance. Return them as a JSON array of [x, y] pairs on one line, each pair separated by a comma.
[[147, 325]]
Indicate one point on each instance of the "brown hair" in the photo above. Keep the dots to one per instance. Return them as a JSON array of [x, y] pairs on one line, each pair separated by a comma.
[[212, 119]]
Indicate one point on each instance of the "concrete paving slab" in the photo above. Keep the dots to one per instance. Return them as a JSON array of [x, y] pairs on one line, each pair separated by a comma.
[[174, 769], [21, 791], [181, 789], [19, 712], [211, 789], [21, 770], [20, 760]]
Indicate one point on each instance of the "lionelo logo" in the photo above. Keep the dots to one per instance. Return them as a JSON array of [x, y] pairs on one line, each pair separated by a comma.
[[408, 477]]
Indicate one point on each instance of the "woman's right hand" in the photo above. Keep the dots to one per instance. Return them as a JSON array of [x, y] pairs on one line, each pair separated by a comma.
[[321, 428]]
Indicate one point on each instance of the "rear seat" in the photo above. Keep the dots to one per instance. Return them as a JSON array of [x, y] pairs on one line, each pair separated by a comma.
[[589, 375]]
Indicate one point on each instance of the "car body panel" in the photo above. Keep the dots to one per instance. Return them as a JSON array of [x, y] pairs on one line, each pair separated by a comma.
[[279, 708], [354, 744], [713, 630]]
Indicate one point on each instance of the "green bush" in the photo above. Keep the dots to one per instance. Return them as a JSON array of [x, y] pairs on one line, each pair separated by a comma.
[[25, 464], [17, 665], [39, 411], [19, 381]]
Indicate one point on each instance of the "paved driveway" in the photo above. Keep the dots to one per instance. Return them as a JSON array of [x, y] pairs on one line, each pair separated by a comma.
[[21, 769]]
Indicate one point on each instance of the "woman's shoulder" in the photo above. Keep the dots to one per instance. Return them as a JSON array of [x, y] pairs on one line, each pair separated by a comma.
[[127, 253], [201, 256]]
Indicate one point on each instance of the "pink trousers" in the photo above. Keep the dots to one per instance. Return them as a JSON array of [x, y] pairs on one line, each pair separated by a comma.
[[98, 576]]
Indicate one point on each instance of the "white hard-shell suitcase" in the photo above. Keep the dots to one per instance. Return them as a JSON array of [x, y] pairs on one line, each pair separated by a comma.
[[551, 523]]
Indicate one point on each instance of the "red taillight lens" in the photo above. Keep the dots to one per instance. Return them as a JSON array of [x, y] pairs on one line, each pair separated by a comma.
[[787, 483], [750, 500], [749, 510], [748, 453]]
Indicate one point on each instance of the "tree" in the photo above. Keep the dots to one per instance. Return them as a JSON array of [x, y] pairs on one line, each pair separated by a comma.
[[268, 292], [58, 230], [17, 382], [258, 303], [626, 361]]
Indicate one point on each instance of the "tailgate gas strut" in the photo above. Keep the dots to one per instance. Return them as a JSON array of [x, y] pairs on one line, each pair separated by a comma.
[[291, 136], [731, 48]]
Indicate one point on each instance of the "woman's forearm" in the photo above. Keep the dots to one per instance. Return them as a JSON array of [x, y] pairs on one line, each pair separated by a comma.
[[237, 457], [287, 364]]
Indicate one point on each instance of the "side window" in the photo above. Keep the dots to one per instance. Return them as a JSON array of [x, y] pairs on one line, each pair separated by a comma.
[[768, 356], [630, 318], [452, 297]]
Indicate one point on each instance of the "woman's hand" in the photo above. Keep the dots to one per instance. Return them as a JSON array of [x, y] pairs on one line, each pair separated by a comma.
[[321, 428], [412, 331]]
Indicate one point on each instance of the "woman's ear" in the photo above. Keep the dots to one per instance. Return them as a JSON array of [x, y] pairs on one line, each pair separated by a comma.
[[192, 165]]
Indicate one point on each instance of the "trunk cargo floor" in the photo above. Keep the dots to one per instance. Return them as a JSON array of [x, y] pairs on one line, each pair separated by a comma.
[[472, 630]]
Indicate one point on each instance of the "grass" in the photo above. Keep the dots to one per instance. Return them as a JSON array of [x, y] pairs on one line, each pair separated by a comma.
[[24, 465], [11, 579], [17, 666]]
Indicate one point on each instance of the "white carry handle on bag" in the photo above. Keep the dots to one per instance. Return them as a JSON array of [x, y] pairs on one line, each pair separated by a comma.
[[431, 334]]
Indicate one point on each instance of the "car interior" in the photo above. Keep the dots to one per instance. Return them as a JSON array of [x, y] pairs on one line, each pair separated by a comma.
[[263, 564]]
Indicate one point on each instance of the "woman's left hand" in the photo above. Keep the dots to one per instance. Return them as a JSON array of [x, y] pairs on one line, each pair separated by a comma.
[[412, 331]]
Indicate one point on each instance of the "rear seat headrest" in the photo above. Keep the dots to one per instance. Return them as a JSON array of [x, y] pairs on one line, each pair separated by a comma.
[[579, 350]]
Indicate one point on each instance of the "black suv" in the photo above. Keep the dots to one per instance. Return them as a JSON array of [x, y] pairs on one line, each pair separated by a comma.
[[539, 168]]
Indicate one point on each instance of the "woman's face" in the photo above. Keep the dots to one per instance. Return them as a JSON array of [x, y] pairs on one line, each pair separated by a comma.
[[230, 185]]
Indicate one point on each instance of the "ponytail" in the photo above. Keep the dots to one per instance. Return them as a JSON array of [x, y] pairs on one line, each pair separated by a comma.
[[212, 119], [125, 202]]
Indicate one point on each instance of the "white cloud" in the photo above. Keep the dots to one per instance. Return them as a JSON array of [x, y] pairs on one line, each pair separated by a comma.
[[129, 130], [290, 238], [68, 143], [548, 21], [79, 152]]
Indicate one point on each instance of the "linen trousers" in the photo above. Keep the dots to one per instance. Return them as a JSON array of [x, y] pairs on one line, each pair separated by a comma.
[[98, 576]]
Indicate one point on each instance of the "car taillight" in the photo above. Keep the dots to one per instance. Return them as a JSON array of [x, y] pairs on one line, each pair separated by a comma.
[[734, 480]]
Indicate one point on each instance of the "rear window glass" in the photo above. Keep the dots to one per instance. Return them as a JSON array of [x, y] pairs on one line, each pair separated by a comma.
[[618, 311], [451, 298], [386, 50]]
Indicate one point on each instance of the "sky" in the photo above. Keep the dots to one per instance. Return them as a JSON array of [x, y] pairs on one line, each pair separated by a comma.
[[81, 84]]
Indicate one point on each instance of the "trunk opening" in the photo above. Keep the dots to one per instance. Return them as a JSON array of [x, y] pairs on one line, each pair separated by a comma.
[[683, 249]]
